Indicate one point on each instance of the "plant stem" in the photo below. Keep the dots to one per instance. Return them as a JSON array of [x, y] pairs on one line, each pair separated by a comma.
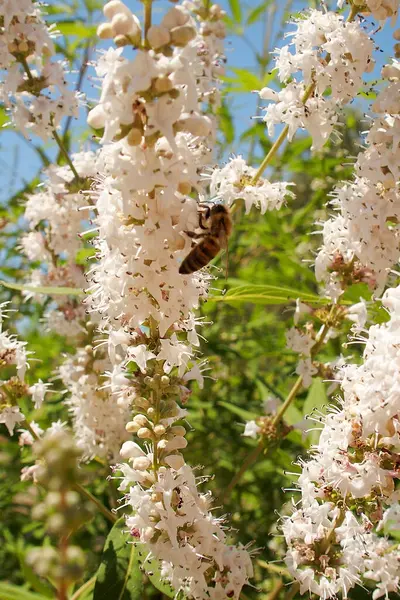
[[308, 92], [27, 70], [294, 588], [103, 509], [278, 143], [275, 590], [84, 588], [64, 152], [147, 21], [290, 397]]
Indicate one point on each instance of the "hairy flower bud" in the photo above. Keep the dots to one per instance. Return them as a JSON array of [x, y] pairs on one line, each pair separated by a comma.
[[158, 36]]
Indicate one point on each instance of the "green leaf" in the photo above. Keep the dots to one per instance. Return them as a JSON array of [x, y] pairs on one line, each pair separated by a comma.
[[316, 399], [4, 117], [266, 294], [76, 28], [257, 12], [63, 291], [14, 592], [226, 123], [244, 414], [152, 568], [236, 10], [83, 255], [119, 576]]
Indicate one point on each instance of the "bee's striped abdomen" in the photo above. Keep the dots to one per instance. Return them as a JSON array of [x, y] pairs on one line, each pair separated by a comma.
[[200, 256]]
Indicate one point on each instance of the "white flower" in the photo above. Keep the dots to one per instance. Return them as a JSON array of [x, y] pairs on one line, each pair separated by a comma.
[[251, 430], [235, 181], [38, 391], [10, 416], [299, 341], [140, 355]]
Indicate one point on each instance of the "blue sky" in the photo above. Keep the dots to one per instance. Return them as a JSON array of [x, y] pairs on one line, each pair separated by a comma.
[[19, 162]]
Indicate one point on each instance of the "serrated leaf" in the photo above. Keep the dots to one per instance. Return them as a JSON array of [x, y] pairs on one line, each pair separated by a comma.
[[316, 399], [152, 569], [244, 414], [119, 576], [49, 291], [9, 591], [267, 294]]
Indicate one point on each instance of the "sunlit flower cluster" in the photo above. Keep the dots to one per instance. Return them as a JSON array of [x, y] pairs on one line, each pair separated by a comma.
[[35, 88], [97, 421], [326, 53], [53, 242], [236, 181], [348, 486], [361, 243], [156, 145]]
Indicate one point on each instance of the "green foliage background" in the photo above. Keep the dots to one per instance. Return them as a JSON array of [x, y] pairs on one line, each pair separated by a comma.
[[245, 343]]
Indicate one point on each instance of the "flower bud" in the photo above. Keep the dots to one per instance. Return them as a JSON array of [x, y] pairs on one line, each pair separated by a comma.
[[130, 450], [23, 46], [151, 412], [184, 187], [141, 402], [114, 7], [145, 434], [105, 31], [163, 84], [141, 420], [132, 427], [97, 117], [175, 17], [165, 380], [182, 35], [121, 24], [141, 463], [159, 430], [134, 137], [396, 34], [121, 40], [158, 36]]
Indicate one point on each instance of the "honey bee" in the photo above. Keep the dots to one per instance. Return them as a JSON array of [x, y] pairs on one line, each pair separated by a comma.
[[215, 238]]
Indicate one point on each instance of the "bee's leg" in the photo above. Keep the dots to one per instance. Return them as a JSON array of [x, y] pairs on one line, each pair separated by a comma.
[[194, 235]]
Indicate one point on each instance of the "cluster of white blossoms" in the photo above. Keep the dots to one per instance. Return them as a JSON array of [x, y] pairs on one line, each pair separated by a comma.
[[97, 421], [348, 494], [14, 360], [34, 89], [361, 243], [236, 181], [12, 353], [155, 146], [380, 9], [326, 54], [53, 241]]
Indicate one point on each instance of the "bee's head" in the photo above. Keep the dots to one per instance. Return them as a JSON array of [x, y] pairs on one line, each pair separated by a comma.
[[218, 209]]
